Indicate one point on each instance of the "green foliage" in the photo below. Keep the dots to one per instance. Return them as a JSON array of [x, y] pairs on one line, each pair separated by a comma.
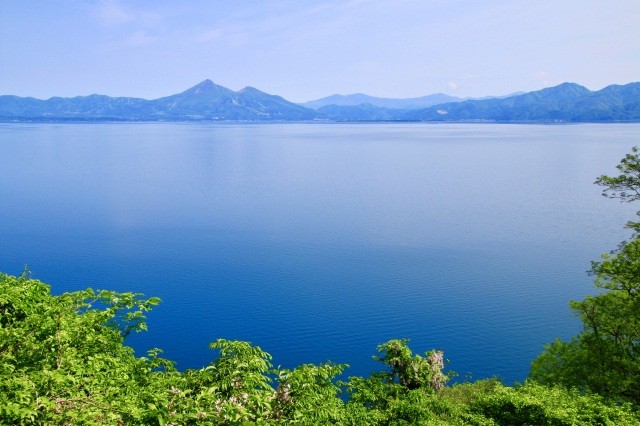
[[404, 374], [625, 186], [238, 379], [620, 272], [605, 357], [535, 404], [566, 363], [411, 371], [309, 393], [63, 361]]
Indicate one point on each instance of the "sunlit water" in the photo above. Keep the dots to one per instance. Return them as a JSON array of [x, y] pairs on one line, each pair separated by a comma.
[[318, 242]]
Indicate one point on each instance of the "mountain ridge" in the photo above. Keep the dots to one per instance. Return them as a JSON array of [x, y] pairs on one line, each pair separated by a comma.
[[356, 99], [204, 101], [566, 102], [207, 101], [391, 103]]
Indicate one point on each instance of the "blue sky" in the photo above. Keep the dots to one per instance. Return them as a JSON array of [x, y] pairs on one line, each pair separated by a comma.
[[304, 50]]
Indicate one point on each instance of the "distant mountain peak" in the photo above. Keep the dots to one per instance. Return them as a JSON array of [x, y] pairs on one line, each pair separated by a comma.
[[567, 84], [203, 86], [250, 89], [209, 101], [207, 89], [205, 83], [572, 88]]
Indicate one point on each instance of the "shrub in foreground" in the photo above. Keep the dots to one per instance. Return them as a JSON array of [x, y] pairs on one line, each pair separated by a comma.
[[63, 360]]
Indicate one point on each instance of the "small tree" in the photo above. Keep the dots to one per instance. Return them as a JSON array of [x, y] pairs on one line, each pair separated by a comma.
[[605, 357], [412, 371], [62, 358], [626, 186]]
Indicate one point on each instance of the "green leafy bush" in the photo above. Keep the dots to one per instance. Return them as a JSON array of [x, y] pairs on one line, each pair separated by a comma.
[[605, 357], [535, 404], [63, 361]]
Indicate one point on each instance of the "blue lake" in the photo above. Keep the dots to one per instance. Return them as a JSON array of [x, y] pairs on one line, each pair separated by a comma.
[[318, 241]]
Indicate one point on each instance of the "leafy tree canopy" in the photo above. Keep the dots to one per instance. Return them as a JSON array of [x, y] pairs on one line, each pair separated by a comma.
[[605, 357], [626, 186], [63, 361]]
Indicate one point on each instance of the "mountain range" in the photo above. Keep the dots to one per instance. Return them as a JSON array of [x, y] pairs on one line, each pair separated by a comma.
[[405, 103], [204, 101], [207, 101], [361, 99], [567, 102]]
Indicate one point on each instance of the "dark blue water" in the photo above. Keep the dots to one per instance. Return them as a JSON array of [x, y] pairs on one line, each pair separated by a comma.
[[318, 242]]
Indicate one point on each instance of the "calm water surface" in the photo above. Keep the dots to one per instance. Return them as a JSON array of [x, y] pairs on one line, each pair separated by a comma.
[[318, 242]]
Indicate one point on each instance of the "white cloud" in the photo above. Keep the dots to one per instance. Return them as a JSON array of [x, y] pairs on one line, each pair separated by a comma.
[[140, 38], [541, 78], [209, 35], [467, 81], [114, 14], [356, 2], [111, 13]]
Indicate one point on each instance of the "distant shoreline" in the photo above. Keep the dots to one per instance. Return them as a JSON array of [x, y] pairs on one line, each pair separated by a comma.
[[111, 120]]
